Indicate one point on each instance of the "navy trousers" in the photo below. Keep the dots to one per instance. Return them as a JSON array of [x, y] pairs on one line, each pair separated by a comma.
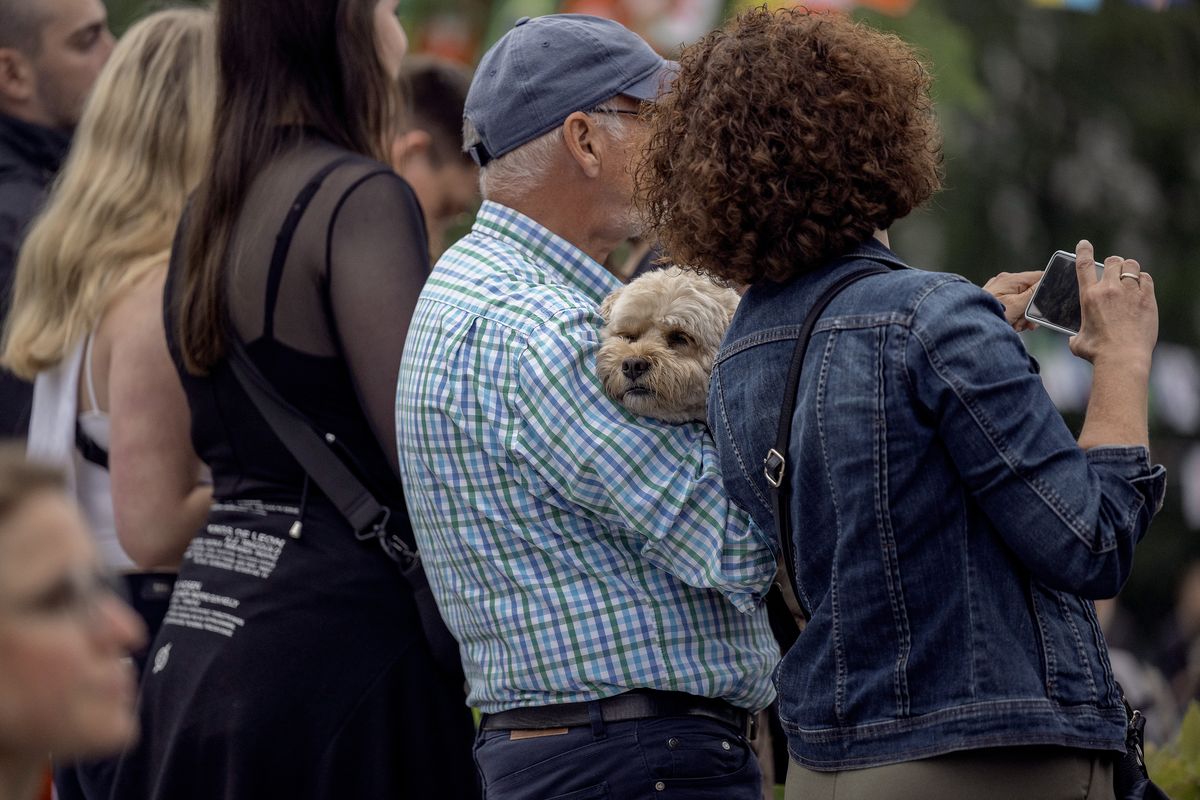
[[675, 758]]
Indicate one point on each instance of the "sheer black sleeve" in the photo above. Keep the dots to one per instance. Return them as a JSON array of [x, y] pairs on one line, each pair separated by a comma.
[[377, 260]]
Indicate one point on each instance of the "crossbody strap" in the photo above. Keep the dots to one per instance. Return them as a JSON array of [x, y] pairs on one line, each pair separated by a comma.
[[775, 463], [314, 452]]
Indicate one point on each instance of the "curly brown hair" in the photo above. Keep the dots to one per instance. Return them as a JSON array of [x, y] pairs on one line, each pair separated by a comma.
[[784, 141]]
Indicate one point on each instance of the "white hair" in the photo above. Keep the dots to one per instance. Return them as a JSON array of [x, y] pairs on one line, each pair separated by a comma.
[[519, 171]]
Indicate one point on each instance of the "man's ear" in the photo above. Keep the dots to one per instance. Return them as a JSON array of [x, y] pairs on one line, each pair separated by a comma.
[[606, 307], [407, 145], [584, 143], [17, 79]]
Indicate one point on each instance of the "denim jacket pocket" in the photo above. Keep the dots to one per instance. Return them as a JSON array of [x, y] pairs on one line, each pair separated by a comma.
[[1075, 658]]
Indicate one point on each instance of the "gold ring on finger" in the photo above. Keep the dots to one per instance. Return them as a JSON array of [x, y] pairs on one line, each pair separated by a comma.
[[1133, 275]]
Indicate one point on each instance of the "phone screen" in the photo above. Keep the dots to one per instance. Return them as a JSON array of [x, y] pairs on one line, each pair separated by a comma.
[[1055, 301]]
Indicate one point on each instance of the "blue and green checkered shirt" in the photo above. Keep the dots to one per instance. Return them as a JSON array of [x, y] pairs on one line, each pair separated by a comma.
[[575, 550]]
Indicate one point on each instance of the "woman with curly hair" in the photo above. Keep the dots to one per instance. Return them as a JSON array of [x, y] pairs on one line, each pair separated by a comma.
[[947, 532]]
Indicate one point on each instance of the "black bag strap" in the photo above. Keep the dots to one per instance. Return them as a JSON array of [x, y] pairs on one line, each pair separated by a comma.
[[775, 463], [314, 452]]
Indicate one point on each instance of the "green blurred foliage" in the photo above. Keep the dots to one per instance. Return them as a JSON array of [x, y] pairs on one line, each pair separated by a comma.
[[123, 13], [1175, 768]]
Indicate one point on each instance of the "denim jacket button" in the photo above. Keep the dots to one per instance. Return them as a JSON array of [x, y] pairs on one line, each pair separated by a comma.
[[660, 786], [672, 743]]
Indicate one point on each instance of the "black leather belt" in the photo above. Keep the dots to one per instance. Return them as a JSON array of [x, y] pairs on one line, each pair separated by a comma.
[[637, 704]]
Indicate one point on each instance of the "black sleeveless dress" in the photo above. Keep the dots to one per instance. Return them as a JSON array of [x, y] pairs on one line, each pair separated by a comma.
[[296, 667]]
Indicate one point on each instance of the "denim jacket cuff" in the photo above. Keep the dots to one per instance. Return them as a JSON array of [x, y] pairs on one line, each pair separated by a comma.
[[1132, 463]]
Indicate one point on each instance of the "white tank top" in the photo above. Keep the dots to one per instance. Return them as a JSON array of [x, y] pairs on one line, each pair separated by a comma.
[[52, 441]]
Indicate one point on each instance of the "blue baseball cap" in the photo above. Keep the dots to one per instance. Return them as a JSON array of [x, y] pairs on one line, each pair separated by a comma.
[[546, 68]]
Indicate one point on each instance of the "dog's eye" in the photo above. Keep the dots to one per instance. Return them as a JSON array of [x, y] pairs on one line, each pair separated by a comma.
[[678, 339]]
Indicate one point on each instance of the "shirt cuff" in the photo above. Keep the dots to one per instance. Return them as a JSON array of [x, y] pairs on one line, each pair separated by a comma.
[[1130, 465]]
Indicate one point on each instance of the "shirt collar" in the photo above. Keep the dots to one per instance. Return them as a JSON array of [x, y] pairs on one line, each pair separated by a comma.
[[34, 145], [554, 258], [873, 248]]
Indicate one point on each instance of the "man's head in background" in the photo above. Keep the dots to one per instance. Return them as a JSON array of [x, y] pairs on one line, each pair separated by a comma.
[[429, 154], [50, 54]]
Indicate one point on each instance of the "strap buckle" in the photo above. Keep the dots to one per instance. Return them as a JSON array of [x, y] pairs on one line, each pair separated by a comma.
[[774, 465], [393, 546]]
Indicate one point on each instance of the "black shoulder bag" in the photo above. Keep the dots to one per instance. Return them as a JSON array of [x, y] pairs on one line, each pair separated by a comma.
[[1130, 779]]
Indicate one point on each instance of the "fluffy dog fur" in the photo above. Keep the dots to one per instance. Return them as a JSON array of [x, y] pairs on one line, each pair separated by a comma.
[[660, 337]]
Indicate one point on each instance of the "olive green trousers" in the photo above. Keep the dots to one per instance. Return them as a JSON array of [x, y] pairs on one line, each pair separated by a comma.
[[1003, 773]]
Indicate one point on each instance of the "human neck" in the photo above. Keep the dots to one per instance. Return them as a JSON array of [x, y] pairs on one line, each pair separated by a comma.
[[29, 113], [19, 778], [564, 215], [882, 238]]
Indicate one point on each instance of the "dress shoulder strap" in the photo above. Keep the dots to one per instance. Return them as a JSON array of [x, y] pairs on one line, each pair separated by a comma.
[[283, 242], [88, 379]]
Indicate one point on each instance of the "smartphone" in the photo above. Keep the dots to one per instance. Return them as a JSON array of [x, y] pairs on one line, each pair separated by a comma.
[[1055, 301]]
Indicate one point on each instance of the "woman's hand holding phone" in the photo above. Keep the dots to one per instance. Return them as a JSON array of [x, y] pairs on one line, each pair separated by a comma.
[[1013, 290], [1119, 312], [1117, 333]]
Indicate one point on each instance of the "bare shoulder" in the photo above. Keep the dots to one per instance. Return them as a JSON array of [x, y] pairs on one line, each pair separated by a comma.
[[136, 308]]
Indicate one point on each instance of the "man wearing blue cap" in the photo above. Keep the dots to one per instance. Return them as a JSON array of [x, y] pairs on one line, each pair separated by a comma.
[[606, 594]]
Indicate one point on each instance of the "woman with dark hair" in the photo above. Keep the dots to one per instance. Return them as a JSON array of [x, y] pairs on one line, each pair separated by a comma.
[[292, 662], [947, 531]]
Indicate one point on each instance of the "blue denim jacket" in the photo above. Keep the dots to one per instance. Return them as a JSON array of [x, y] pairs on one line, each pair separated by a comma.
[[949, 531]]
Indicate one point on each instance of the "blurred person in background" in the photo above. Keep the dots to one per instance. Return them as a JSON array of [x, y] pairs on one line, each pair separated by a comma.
[[51, 52], [86, 322], [66, 685], [292, 661], [1142, 683], [1179, 656], [429, 153], [949, 529]]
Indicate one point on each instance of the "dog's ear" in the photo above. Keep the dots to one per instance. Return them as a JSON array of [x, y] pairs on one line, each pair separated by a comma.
[[606, 306]]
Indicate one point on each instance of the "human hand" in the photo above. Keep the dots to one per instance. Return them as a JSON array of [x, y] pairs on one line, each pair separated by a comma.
[[1119, 311], [1013, 290]]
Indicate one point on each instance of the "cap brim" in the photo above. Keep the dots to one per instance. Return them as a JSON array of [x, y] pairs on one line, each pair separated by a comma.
[[649, 88]]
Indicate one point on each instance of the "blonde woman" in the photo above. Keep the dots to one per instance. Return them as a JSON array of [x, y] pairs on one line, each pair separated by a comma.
[[86, 322]]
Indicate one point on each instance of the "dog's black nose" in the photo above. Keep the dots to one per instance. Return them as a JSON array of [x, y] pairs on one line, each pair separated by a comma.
[[634, 368]]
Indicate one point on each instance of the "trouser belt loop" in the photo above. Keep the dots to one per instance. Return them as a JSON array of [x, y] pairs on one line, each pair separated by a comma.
[[596, 716]]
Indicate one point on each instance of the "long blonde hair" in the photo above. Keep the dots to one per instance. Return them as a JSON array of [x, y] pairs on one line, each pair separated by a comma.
[[141, 147]]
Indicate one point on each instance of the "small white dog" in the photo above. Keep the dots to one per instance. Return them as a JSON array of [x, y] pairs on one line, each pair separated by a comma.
[[661, 334]]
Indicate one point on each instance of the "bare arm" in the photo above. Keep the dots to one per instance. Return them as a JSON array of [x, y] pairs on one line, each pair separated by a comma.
[[1118, 334], [158, 500]]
